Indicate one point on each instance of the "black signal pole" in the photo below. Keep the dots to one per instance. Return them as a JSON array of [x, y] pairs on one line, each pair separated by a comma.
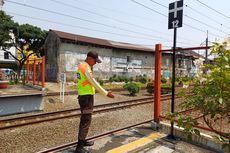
[[173, 81], [175, 21]]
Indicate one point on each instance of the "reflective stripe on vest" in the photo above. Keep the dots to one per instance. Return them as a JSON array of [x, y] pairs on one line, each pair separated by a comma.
[[84, 86]]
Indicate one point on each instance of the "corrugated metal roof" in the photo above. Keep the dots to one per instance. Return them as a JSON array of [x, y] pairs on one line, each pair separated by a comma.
[[190, 53], [114, 44], [103, 42]]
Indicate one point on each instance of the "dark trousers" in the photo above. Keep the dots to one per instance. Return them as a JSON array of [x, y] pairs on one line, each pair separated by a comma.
[[86, 106]]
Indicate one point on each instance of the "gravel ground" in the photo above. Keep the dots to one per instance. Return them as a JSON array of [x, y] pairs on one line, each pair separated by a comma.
[[33, 138], [53, 103], [37, 137]]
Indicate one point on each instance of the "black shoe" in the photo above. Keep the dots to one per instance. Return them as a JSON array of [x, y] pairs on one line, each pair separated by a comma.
[[82, 150], [88, 143]]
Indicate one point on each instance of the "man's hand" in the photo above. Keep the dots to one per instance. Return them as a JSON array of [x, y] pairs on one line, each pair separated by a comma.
[[110, 95]]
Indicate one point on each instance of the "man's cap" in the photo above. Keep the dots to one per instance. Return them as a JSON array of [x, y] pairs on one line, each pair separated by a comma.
[[94, 55]]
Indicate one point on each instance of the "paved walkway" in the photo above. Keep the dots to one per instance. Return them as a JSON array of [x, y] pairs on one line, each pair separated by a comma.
[[142, 139]]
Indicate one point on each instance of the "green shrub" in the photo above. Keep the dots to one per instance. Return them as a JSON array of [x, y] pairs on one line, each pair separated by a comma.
[[141, 78], [101, 82], [131, 79], [11, 82], [116, 78], [133, 88], [150, 87], [126, 80], [110, 79], [186, 79], [163, 79]]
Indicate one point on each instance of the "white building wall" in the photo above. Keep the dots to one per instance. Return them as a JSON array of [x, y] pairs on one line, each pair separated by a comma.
[[12, 50]]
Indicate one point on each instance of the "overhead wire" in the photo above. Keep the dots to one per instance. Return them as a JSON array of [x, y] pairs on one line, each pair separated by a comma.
[[74, 17], [128, 23], [139, 17], [74, 26], [208, 17], [204, 23], [116, 11], [188, 17], [148, 8], [91, 21], [107, 17], [196, 10], [80, 27], [213, 9], [200, 13]]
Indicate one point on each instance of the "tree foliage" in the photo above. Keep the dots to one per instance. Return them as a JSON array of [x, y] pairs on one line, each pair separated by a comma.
[[150, 87], [7, 25], [133, 88], [211, 96], [29, 39]]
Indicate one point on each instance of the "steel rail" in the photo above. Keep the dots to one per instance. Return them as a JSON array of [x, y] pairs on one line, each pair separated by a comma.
[[39, 118], [72, 144]]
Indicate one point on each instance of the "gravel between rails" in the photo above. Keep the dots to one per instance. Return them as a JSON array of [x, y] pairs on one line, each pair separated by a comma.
[[37, 137], [33, 138], [30, 139]]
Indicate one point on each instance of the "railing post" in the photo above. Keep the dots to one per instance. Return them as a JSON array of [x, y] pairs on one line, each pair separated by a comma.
[[34, 72], [43, 72], [157, 82], [27, 71]]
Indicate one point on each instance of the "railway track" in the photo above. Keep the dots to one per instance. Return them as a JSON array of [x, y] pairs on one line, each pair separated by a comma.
[[75, 92], [51, 116], [63, 147]]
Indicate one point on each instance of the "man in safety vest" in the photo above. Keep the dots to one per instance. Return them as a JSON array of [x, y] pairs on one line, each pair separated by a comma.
[[86, 89]]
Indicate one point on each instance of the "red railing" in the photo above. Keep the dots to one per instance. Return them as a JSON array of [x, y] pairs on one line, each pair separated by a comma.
[[35, 71], [160, 108]]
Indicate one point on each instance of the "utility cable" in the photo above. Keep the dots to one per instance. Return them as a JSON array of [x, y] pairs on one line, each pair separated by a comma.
[[139, 17], [86, 20], [213, 9], [107, 17], [200, 13], [74, 26], [30, 6], [204, 24], [167, 16], [193, 18]]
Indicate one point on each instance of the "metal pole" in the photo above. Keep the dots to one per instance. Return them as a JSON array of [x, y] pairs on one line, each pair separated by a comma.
[[206, 50], [27, 71], [63, 91], [34, 72], [173, 81], [43, 72], [60, 91], [157, 82]]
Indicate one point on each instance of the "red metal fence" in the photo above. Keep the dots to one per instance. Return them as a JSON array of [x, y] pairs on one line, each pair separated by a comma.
[[35, 72], [160, 108]]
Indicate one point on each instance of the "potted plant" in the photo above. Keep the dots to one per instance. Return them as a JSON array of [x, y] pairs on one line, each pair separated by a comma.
[[3, 80]]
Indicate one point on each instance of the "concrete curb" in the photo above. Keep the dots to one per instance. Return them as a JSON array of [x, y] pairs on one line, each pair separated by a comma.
[[204, 140]]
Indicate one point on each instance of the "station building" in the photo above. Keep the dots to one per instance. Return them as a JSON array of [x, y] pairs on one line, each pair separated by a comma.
[[64, 51]]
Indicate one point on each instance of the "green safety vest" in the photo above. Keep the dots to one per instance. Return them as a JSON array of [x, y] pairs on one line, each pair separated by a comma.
[[83, 84]]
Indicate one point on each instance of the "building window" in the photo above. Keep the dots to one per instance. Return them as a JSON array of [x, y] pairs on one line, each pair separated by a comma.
[[6, 55]]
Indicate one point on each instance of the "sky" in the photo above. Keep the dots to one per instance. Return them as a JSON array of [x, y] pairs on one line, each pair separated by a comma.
[[143, 22]]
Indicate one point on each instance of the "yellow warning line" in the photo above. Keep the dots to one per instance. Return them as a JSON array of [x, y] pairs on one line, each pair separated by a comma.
[[135, 144]]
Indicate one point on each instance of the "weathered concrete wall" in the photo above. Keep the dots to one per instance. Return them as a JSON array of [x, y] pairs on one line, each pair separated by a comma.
[[63, 56], [114, 61], [52, 56]]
